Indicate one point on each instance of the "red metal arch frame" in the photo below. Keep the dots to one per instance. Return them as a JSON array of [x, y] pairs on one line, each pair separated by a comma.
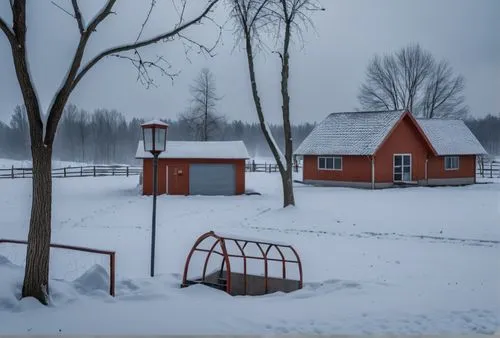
[[225, 255]]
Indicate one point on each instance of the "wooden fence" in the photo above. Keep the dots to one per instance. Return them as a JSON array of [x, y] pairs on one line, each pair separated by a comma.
[[83, 171], [267, 167], [488, 169]]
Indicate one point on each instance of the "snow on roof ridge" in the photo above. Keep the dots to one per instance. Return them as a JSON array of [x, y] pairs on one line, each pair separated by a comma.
[[155, 121], [368, 111], [235, 149], [438, 119]]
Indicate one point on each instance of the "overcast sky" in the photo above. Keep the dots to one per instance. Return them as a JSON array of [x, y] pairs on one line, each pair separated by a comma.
[[325, 74]]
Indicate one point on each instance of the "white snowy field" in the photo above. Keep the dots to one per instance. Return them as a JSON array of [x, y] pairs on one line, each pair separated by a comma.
[[407, 261]]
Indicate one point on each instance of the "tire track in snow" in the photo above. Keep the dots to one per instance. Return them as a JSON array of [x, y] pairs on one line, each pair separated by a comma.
[[387, 235]]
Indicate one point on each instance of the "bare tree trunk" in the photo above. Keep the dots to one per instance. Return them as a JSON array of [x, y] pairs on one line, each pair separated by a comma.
[[287, 184], [287, 175], [38, 251]]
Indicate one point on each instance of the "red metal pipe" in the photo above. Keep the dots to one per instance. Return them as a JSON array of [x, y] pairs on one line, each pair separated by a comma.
[[112, 274], [254, 241], [283, 259], [207, 258], [249, 257], [111, 255], [188, 259], [206, 250], [264, 255], [300, 266], [226, 258], [244, 266]]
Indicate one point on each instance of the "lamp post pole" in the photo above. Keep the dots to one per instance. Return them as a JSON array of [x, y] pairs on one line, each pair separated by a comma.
[[154, 137], [153, 229]]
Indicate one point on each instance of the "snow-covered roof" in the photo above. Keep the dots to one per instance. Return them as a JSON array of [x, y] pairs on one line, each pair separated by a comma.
[[349, 133], [157, 122], [361, 133], [451, 137], [197, 149]]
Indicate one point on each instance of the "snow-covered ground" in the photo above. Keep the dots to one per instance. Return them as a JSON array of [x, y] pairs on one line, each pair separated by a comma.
[[408, 261]]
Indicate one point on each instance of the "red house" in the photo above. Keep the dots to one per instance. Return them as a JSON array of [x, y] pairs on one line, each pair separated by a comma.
[[386, 148], [196, 168]]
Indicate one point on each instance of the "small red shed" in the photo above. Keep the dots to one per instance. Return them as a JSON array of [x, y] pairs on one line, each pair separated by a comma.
[[196, 168], [385, 148]]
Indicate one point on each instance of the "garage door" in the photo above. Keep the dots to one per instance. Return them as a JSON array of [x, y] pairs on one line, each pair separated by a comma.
[[212, 179]]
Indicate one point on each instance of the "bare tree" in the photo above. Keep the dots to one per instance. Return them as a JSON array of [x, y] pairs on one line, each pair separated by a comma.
[[443, 94], [411, 79], [202, 117], [36, 278], [281, 20]]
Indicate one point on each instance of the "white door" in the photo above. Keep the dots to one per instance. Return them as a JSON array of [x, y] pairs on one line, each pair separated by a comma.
[[402, 168]]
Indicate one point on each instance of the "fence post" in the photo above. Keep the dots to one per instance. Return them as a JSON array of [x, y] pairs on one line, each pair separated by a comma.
[[94, 171], [113, 171], [12, 172], [23, 172], [81, 171], [127, 171], [491, 169], [64, 172], [253, 165]]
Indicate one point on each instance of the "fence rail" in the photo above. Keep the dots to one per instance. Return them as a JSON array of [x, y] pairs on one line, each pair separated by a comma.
[[83, 171], [111, 255], [488, 169]]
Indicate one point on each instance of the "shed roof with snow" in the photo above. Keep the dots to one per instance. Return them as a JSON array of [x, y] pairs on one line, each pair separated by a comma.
[[349, 133], [362, 133], [199, 150], [451, 137]]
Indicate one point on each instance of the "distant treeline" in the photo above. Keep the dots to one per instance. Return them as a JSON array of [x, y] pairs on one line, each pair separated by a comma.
[[106, 136], [487, 130]]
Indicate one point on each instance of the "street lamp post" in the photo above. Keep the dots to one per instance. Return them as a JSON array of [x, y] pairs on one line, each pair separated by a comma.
[[154, 135]]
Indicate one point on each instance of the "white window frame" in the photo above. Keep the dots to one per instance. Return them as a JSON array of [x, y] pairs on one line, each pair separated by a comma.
[[451, 168], [402, 165], [333, 159]]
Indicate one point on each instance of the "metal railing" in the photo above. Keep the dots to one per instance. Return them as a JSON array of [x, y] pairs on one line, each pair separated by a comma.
[[111, 255]]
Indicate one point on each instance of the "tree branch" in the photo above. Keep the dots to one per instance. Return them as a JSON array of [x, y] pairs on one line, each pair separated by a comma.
[[153, 3], [139, 44], [143, 67], [78, 16], [57, 105], [8, 32]]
